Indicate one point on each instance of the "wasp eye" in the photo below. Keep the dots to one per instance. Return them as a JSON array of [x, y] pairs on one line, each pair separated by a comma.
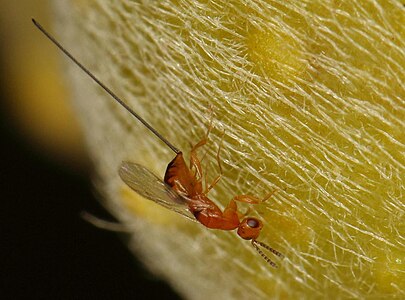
[[253, 223]]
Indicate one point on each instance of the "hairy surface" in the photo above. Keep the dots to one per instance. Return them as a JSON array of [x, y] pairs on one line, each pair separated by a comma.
[[310, 97]]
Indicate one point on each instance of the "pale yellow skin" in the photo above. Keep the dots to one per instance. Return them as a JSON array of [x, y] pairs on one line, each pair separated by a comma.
[[311, 99]]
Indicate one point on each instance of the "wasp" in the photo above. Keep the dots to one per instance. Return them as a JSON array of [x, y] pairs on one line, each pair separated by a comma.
[[182, 188]]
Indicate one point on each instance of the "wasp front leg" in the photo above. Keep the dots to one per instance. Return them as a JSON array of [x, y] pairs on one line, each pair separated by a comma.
[[194, 160], [253, 200], [195, 163], [215, 181]]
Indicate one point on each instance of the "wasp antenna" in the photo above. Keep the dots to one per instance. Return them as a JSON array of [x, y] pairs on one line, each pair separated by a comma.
[[274, 251], [104, 87], [265, 257]]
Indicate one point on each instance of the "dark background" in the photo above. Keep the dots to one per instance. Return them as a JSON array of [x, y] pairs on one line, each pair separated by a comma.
[[47, 250]]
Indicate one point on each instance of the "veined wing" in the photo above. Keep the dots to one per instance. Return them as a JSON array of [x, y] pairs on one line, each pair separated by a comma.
[[148, 185]]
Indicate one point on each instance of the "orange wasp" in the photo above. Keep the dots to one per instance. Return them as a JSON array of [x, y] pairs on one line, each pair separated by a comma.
[[182, 189]]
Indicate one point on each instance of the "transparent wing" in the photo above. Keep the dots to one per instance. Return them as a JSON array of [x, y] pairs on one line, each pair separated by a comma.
[[148, 185]]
